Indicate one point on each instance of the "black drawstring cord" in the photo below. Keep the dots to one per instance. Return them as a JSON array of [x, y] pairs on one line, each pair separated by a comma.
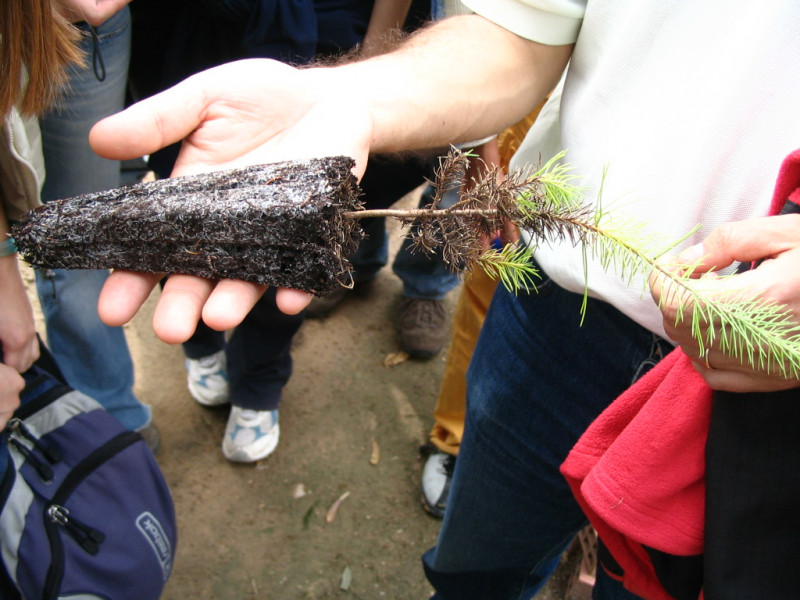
[[97, 57]]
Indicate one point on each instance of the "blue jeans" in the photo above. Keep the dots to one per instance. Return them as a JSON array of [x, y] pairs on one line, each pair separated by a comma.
[[423, 275], [93, 357], [536, 381]]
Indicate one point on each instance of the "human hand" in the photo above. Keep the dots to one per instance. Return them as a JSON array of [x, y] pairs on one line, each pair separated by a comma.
[[20, 346], [11, 384], [243, 113], [94, 12], [775, 241], [484, 162]]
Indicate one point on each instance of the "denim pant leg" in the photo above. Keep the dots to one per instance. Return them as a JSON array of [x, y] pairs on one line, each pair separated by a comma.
[[425, 275], [259, 355], [385, 181], [373, 251], [94, 357], [536, 381], [71, 166]]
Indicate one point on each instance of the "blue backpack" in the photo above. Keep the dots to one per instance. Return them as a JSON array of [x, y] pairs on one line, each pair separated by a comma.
[[84, 509]]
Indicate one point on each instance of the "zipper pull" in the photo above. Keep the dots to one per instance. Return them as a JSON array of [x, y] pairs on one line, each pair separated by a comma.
[[17, 426], [87, 537], [45, 471]]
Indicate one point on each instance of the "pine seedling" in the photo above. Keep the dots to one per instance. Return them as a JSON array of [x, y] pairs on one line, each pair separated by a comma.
[[550, 205], [294, 224]]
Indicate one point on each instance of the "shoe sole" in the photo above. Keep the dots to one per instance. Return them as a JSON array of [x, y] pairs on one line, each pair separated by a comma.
[[240, 456], [436, 513], [424, 354]]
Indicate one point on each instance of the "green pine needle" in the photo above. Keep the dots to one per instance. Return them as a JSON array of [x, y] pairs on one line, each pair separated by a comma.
[[512, 265], [759, 333]]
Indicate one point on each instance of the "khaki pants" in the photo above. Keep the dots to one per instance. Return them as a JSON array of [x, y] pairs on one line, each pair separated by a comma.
[[468, 318]]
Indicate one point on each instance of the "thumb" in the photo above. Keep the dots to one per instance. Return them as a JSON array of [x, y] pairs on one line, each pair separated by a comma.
[[150, 124], [744, 241]]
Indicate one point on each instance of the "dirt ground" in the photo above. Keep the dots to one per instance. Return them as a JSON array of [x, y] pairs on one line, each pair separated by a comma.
[[351, 430]]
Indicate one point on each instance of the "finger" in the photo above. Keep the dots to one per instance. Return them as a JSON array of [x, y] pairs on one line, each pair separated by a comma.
[[22, 358], [180, 306], [123, 294], [229, 303], [744, 381], [510, 233], [15, 382], [151, 124], [673, 301], [744, 241], [292, 302]]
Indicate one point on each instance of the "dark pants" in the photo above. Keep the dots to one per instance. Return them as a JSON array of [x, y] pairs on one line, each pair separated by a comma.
[[258, 353], [537, 379]]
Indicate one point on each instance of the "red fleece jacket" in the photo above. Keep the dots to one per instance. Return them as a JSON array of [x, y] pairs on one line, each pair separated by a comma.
[[638, 471]]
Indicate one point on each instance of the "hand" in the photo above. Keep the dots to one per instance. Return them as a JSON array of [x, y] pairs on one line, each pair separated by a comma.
[[94, 12], [243, 113], [20, 347], [11, 384], [776, 240], [487, 158]]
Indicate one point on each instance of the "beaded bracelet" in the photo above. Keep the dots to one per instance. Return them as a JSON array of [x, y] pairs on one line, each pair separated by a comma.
[[8, 247]]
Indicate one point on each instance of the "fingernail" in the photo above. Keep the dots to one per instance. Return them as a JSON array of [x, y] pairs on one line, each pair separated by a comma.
[[692, 254]]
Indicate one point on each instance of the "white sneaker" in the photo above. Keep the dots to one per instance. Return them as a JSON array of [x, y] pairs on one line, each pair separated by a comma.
[[435, 486], [250, 434], [208, 379]]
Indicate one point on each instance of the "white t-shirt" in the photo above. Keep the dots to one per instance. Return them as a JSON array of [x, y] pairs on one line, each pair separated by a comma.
[[691, 106]]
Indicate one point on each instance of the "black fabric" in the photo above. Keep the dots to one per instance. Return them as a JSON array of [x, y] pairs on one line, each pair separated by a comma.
[[341, 25], [174, 40], [390, 177], [680, 576], [753, 496]]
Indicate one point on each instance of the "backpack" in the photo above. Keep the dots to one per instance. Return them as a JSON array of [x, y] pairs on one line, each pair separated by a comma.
[[85, 511]]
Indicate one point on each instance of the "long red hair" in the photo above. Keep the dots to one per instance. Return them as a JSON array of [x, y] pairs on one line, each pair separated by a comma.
[[36, 46]]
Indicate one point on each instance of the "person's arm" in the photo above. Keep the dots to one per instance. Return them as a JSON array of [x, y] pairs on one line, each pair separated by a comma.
[[11, 384], [386, 16], [17, 331], [776, 240], [462, 79]]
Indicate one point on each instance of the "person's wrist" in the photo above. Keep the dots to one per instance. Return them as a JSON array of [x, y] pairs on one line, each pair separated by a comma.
[[8, 247]]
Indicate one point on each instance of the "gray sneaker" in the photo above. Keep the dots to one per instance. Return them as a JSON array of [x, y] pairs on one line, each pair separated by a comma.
[[423, 327]]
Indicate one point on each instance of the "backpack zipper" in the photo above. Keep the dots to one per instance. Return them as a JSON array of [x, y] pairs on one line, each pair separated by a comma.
[[16, 425], [87, 537], [55, 574]]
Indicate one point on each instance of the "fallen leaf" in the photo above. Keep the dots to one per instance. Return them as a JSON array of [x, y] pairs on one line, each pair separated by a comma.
[[335, 506], [347, 578], [308, 515], [375, 457], [395, 358]]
